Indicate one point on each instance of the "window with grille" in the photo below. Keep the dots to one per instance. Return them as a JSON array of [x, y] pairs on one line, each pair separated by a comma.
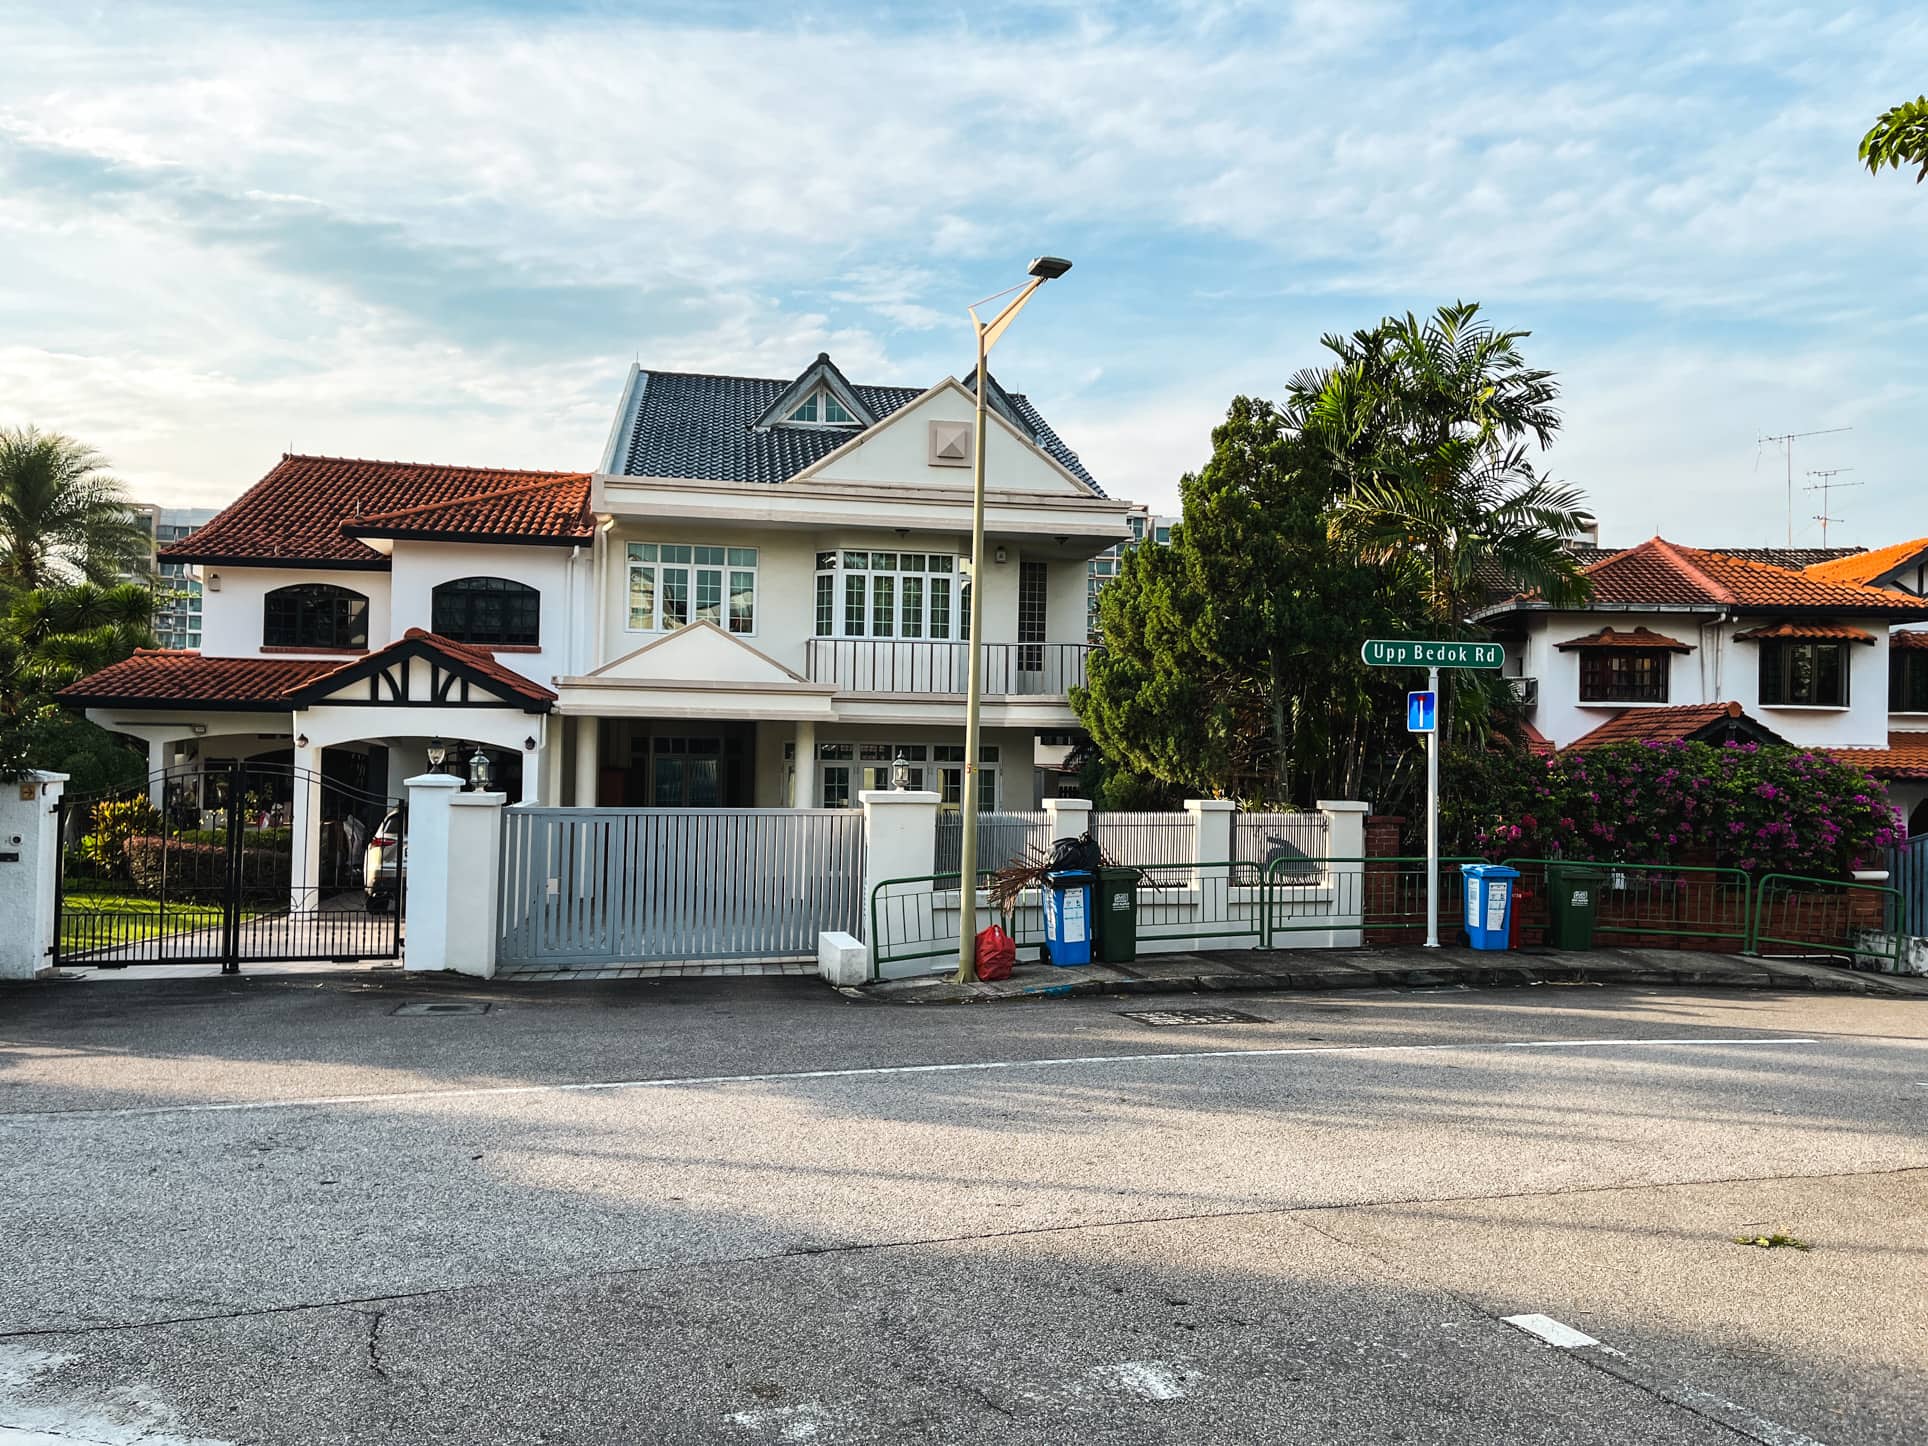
[[1624, 675], [1907, 682], [314, 615], [487, 611], [1032, 584]]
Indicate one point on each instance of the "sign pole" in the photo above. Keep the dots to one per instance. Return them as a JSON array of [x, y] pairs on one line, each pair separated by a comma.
[[1432, 822]]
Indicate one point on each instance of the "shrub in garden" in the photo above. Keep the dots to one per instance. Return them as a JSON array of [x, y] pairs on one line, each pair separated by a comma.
[[111, 824], [1766, 810], [198, 870]]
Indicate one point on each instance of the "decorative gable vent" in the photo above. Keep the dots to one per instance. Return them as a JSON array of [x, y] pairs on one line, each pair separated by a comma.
[[950, 444]]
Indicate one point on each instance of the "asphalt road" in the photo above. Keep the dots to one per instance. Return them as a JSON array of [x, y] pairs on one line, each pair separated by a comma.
[[749, 1210]]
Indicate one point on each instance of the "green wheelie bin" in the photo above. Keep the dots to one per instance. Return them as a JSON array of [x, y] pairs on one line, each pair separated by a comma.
[[1116, 931], [1573, 903]]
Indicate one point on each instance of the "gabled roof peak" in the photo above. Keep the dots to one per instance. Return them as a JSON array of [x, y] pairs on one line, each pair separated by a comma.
[[821, 376]]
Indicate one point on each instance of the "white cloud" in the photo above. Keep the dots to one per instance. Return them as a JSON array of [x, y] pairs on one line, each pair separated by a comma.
[[439, 236]]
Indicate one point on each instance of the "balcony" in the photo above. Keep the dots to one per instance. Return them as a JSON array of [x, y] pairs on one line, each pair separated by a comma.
[[1011, 670]]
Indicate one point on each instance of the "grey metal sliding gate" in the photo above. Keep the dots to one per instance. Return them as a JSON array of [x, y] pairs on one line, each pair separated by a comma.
[[601, 886]]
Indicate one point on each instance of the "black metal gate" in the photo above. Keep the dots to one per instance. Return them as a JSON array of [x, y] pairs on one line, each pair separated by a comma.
[[216, 874]]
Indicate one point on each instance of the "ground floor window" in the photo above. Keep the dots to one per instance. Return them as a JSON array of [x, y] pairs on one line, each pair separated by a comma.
[[846, 770]]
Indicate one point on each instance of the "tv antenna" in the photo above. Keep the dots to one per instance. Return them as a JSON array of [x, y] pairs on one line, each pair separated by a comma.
[[1785, 441], [1824, 486]]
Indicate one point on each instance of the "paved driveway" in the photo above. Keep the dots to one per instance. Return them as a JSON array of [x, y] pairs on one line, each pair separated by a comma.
[[750, 1210]]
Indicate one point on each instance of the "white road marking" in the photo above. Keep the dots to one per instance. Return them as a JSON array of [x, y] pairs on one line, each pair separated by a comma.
[[130, 1415], [1148, 1380], [782, 1423], [1553, 1332], [1677, 1392], [879, 1071]]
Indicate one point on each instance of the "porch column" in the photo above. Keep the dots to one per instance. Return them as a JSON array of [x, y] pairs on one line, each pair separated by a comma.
[[804, 794], [552, 758], [160, 758], [304, 879], [586, 761]]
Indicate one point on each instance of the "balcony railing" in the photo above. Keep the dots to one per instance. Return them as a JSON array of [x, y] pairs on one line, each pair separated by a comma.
[[878, 665]]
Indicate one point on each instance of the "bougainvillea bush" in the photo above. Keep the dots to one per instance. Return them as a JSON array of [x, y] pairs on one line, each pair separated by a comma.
[[1766, 810]]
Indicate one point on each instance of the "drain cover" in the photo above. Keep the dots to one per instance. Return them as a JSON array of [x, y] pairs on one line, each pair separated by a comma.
[[1163, 1017], [427, 1006]]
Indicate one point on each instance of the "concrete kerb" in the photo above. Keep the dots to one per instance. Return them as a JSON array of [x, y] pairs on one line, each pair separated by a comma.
[[1387, 969]]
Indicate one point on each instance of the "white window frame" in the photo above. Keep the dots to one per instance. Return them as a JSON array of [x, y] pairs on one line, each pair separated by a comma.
[[842, 570], [861, 764], [692, 563], [820, 401]]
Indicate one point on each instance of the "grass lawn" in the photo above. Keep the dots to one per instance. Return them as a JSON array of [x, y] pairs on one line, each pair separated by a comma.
[[91, 920]]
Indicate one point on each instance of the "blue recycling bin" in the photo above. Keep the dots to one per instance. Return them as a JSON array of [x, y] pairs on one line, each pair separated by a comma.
[[1489, 904], [1067, 917]]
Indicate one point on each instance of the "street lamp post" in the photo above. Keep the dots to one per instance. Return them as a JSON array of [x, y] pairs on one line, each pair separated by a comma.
[[1041, 270]]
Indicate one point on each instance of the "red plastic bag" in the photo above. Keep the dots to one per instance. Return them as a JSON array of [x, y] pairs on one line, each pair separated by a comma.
[[997, 953]]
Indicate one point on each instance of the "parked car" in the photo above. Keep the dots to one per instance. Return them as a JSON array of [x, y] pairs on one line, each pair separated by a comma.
[[382, 860]]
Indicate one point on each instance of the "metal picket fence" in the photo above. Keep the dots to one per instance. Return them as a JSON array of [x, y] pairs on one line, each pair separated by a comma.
[[1002, 839], [601, 886], [1268, 838], [1147, 840]]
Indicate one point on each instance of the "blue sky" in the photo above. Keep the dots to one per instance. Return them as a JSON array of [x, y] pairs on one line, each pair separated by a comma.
[[443, 232]]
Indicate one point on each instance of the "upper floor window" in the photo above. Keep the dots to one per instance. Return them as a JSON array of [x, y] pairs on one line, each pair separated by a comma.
[[488, 611], [1907, 681], [1804, 674], [672, 584], [314, 615], [824, 409], [890, 595], [1623, 675]]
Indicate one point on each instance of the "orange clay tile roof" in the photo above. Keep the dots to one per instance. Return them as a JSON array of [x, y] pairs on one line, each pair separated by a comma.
[[307, 510], [159, 677], [1865, 567], [1836, 632], [1638, 638], [167, 678], [1906, 641], [1662, 724], [1906, 756], [1662, 573]]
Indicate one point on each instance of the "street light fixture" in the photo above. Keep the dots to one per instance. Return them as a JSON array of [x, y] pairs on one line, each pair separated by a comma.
[[1041, 270]]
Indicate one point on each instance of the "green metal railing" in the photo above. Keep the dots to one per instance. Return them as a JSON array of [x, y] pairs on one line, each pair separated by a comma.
[[1359, 894], [1817, 915], [1666, 901]]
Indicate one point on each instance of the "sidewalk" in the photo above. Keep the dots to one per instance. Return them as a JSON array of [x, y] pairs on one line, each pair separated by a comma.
[[1230, 970]]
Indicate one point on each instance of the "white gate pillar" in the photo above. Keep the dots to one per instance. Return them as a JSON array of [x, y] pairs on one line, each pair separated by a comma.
[[1069, 817], [29, 873], [304, 878], [454, 873]]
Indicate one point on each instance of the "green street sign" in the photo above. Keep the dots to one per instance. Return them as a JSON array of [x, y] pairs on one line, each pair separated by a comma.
[[1416, 653]]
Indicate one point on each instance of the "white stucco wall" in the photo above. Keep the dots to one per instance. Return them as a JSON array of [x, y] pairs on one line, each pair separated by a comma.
[[419, 566], [231, 604], [1718, 670]]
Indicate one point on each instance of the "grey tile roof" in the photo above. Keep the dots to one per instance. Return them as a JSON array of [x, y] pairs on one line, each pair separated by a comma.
[[700, 427]]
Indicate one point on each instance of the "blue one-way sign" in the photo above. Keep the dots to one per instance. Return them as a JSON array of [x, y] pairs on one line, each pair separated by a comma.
[[1422, 712]]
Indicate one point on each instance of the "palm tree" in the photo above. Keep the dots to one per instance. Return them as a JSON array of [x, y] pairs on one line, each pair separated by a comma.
[[63, 517], [1430, 425]]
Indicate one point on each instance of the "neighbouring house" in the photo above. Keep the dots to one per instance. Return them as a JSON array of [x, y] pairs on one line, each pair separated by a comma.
[[760, 597], [1681, 642]]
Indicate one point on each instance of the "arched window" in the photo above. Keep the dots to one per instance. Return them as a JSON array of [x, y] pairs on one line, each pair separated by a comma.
[[493, 612], [314, 615]]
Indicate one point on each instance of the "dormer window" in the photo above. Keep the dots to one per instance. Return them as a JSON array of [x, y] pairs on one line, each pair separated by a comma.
[[822, 409]]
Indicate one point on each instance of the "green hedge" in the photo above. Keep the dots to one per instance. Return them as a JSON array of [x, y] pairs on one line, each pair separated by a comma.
[[200, 870]]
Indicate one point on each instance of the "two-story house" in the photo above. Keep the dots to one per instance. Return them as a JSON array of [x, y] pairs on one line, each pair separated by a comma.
[[1679, 642], [761, 597]]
